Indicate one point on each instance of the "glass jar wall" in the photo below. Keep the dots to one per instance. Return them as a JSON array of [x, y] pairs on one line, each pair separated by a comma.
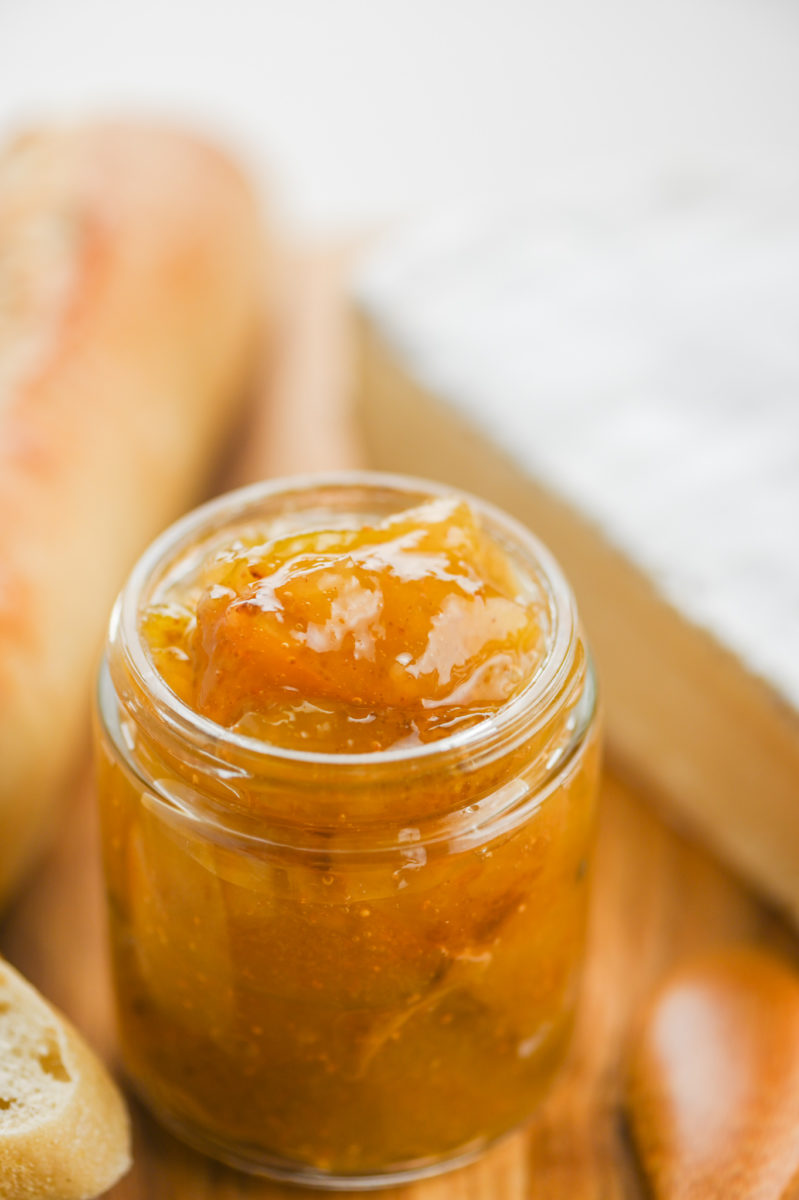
[[344, 969]]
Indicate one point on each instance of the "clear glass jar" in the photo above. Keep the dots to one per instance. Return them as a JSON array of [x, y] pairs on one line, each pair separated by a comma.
[[344, 970]]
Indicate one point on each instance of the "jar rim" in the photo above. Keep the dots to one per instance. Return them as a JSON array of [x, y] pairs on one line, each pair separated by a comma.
[[536, 697]]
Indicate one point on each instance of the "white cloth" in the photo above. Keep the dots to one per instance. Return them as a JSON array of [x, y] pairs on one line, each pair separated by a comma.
[[641, 358]]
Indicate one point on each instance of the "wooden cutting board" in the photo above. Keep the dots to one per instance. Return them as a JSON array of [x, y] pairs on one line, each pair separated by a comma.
[[656, 896]]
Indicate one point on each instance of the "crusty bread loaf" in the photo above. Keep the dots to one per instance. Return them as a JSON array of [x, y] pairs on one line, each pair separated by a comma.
[[130, 262], [64, 1132], [714, 1080]]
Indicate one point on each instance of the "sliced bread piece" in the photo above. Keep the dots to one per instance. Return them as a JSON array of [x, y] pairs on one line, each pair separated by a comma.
[[64, 1131]]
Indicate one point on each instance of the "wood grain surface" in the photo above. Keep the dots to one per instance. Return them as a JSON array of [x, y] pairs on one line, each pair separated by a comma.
[[656, 896]]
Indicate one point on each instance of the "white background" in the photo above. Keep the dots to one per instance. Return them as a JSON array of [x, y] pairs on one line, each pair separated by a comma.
[[360, 110]]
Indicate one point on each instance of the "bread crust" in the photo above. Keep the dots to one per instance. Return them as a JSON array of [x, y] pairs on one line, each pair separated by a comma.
[[131, 263], [82, 1147], [713, 1087]]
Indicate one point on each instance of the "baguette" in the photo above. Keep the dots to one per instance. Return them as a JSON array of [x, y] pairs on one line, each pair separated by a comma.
[[129, 300], [64, 1131], [714, 1080]]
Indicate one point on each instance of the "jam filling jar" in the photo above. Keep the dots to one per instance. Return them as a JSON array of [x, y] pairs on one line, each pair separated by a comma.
[[335, 964]]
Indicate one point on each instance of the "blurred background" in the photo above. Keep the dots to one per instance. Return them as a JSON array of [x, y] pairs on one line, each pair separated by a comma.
[[361, 111]]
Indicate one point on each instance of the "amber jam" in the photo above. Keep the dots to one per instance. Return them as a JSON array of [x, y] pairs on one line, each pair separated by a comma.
[[347, 769]]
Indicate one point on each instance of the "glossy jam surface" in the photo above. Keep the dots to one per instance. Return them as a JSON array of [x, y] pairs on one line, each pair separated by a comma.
[[390, 633], [348, 970]]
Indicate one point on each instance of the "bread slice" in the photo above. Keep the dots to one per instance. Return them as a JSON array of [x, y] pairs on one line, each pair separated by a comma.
[[131, 268], [64, 1131]]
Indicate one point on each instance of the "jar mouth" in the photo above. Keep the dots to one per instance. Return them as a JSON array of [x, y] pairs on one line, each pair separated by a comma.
[[522, 713]]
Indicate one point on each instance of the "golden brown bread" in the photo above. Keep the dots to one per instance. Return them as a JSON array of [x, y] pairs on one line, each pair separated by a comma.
[[64, 1131], [129, 297], [714, 1081]]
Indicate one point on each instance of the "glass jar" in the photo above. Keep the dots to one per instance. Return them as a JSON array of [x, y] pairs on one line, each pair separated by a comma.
[[344, 970]]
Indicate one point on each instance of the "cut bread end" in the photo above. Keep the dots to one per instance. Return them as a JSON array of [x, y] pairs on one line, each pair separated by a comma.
[[64, 1130]]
